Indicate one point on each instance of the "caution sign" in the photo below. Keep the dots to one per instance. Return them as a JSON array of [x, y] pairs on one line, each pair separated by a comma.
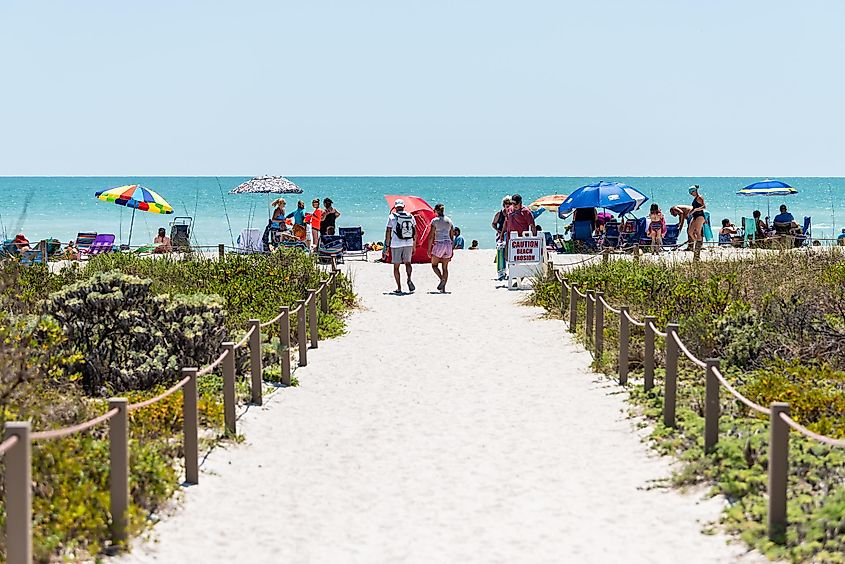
[[525, 256]]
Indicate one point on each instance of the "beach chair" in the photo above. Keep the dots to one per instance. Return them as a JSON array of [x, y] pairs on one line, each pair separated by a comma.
[[637, 236], [353, 238], [293, 243], [749, 232], [84, 240], [558, 243], [331, 247], [611, 234], [180, 233], [670, 238], [8, 249], [249, 241], [582, 236], [806, 237], [34, 256], [102, 243]]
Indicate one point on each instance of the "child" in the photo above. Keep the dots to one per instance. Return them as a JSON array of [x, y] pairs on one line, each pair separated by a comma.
[[474, 245], [726, 233], [656, 228]]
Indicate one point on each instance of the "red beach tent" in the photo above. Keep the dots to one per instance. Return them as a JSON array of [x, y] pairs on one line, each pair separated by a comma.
[[423, 214]]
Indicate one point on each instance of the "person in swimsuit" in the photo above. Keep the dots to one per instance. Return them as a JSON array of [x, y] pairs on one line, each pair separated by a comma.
[[696, 225], [656, 228], [329, 216], [279, 209], [312, 221], [441, 241]]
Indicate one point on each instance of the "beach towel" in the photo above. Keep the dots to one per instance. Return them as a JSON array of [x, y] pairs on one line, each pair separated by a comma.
[[501, 261]]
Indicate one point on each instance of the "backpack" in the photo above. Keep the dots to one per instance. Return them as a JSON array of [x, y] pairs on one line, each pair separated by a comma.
[[406, 226]]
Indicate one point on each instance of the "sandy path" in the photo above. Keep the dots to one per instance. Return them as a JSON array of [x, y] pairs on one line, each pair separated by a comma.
[[489, 441]]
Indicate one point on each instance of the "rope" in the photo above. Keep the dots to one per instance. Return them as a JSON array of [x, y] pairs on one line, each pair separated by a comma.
[[686, 351], [608, 307], [8, 443], [633, 321], [656, 331], [739, 396], [579, 293], [59, 433], [272, 321], [177, 386], [808, 433], [245, 338], [208, 369]]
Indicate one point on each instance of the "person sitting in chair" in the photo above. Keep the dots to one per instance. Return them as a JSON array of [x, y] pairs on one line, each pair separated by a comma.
[[785, 224], [162, 242]]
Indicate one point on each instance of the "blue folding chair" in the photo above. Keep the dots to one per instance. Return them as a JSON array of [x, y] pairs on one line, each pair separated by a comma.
[[582, 235]]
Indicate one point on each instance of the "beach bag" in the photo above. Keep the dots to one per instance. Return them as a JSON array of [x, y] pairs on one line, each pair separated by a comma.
[[406, 226]]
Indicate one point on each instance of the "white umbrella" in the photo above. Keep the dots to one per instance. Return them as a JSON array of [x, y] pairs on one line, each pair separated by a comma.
[[267, 185]]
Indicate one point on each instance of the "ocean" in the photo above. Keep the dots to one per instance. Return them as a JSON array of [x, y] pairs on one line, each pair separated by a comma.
[[42, 207]]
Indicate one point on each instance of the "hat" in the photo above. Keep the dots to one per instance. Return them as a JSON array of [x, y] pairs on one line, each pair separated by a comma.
[[399, 203], [693, 189]]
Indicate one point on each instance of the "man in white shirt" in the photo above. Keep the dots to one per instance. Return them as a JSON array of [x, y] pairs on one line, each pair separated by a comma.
[[401, 237]]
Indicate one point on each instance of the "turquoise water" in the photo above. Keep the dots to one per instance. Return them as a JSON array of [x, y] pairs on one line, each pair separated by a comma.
[[61, 206]]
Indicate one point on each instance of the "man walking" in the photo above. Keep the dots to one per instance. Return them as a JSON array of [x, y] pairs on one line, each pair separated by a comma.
[[401, 237], [519, 219]]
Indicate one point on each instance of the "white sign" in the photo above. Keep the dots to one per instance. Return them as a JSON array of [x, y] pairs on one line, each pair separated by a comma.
[[525, 256]]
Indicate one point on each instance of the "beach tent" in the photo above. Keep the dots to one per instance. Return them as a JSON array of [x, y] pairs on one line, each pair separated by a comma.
[[423, 214]]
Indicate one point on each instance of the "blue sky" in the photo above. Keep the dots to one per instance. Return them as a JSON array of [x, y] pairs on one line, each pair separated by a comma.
[[430, 87]]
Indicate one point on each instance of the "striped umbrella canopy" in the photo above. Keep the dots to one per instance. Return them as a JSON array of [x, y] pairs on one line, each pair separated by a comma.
[[136, 197], [768, 188], [267, 185], [550, 203]]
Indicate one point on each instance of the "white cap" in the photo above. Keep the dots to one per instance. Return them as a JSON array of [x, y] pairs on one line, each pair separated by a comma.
[[399, 203]]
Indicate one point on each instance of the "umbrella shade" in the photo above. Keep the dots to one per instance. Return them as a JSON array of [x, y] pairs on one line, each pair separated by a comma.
[[267, 185], [137, 197], [550, 203], [614, 196], [768, 188], [413, 204]]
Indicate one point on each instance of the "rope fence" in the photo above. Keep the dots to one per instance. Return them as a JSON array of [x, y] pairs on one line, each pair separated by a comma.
[[16, 447], [780, 422]]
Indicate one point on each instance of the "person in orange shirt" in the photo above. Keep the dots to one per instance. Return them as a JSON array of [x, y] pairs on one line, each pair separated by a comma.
[[313, 221]]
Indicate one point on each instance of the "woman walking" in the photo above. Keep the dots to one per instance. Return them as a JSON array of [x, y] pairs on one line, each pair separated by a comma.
[[696, 226], [441, 241]]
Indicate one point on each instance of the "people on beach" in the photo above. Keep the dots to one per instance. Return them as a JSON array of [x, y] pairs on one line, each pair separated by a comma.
[[697, 219], [656, 228], [785, 222], [21, 243], [498, 227], [329, 216], [762, 227], [459, 241], [727, 233], [682, 212], [400, 237], [474, 245], [298, 215], [313, 220], [519, 219], [279, 210], [162, 242], [840, 240], [441, 242]]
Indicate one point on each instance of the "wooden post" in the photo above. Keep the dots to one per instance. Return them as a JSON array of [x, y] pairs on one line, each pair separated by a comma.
[[221, 250], [324, 297], [636, 252], [711, 405], [778, 471], [648, 365], [18, 465], [312, 318], [284, 344], [670, 382], [588, 322], [624, 339], [255, 368], [190, 427], [573, 308], [42, 246], [302, 338], [696, 255], [605, 256], [229, 399], [562, 296], [598, 345], [119, 469], [333, 281]]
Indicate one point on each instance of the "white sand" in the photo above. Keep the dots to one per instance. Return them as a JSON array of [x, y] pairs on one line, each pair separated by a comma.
[[442, 428]]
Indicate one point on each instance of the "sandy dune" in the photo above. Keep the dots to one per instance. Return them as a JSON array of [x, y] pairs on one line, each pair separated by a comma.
[[442, 428]]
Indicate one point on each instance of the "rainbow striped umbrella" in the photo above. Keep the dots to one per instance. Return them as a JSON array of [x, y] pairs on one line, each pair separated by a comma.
[[136, 197]]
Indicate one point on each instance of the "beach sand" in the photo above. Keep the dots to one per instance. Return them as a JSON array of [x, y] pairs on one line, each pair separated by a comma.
[[441, 428]]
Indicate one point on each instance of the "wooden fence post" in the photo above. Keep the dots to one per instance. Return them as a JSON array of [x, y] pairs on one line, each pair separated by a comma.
[[312, 318], [229, 400], [778, 471], [302, 338], [598, 344], [636, 252], [284, 344], [42, 246], [119, 469], [670, 381], [711, 405], [563, 297], [624, 339], [605, 258], [221, 250], [324, 297], [18, 463], [573, 308], [696, 255], [588, 322], [648, 365], [190, 426], [333, 281], [255, 368]]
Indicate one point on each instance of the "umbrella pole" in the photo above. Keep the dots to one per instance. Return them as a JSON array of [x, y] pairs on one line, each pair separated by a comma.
[[131, 225]]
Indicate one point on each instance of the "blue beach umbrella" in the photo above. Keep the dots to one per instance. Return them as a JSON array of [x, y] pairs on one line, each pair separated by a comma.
[[768, 188], [613, 196]]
